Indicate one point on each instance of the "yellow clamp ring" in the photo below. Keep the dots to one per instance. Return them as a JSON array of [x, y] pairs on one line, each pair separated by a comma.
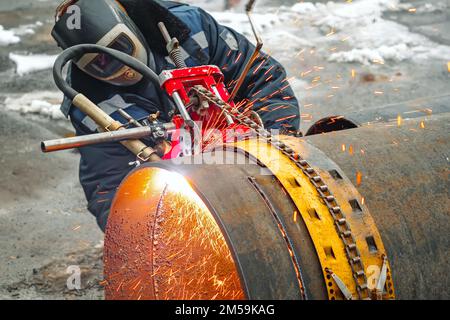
[[321, 226]]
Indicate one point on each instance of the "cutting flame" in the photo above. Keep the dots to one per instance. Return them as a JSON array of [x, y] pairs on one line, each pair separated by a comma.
[[178, 184], [190, 252]]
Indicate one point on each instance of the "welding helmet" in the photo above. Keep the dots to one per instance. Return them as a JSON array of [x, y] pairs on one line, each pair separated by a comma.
[[106, 23]]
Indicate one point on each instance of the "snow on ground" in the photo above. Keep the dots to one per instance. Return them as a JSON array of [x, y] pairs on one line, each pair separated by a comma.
[[27, 29], [31, 63], [12, 36], [7, 37], [356, 29], [344, 32], [44, 103]]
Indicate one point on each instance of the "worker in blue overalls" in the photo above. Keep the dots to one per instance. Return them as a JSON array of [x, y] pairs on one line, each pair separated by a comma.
[[131, 27]]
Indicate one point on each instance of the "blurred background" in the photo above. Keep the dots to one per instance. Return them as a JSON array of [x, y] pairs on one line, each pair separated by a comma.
[[370, 60]]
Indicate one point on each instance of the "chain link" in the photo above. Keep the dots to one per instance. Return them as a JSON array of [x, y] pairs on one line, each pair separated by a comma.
[[340, 221]]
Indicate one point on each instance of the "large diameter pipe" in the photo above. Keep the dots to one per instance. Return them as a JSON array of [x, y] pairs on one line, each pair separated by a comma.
[[159, 246], [402, 171]]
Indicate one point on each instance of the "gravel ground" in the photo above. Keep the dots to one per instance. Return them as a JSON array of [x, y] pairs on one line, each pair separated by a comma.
[[44, 226]]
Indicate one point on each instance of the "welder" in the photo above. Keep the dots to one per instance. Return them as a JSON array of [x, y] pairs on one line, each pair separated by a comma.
[[131, 27]]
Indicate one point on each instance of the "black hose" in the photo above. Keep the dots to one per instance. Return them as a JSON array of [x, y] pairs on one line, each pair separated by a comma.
[[77, 51]]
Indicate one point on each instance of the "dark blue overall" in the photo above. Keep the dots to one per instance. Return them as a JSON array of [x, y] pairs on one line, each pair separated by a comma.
[[104, 166]]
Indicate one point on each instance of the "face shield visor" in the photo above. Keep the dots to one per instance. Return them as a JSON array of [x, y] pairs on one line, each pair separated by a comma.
[[106, 23]]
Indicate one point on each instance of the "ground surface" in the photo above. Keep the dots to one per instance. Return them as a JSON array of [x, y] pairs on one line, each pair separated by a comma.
[[44, 226]]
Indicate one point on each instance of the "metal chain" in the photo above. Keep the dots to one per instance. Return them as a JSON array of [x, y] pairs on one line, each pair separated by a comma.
[[340, 221]]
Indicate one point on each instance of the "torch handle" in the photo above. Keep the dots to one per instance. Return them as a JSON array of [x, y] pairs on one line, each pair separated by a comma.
[[124, 135]]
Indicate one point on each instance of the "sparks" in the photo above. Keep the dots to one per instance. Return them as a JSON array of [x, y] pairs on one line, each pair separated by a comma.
[[238, 57], [399, 120], [358, 178], [285, 118]]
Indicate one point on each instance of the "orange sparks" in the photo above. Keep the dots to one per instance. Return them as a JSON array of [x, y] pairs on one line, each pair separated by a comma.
[[331, 32], [256, 93], [353, 73], [343, 148], [295, 216], [422, 125], [399, 120], [268, 70], [412, 10], [358, 178], [300, 52], [285, 118], [238, 57], [363, 200], [350, 150], [103, 283], [259, 66], [378, 61], [448, 66], [305, 73]]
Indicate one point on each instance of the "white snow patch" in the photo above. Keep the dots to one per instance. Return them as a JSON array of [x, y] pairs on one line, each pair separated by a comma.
[[372, 37], [214, 5], [12, 36], [27, 29], [368, 36], [31, 63], [7, 37], [240, 23], [44, 103], [366, 56], [430, 8]]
